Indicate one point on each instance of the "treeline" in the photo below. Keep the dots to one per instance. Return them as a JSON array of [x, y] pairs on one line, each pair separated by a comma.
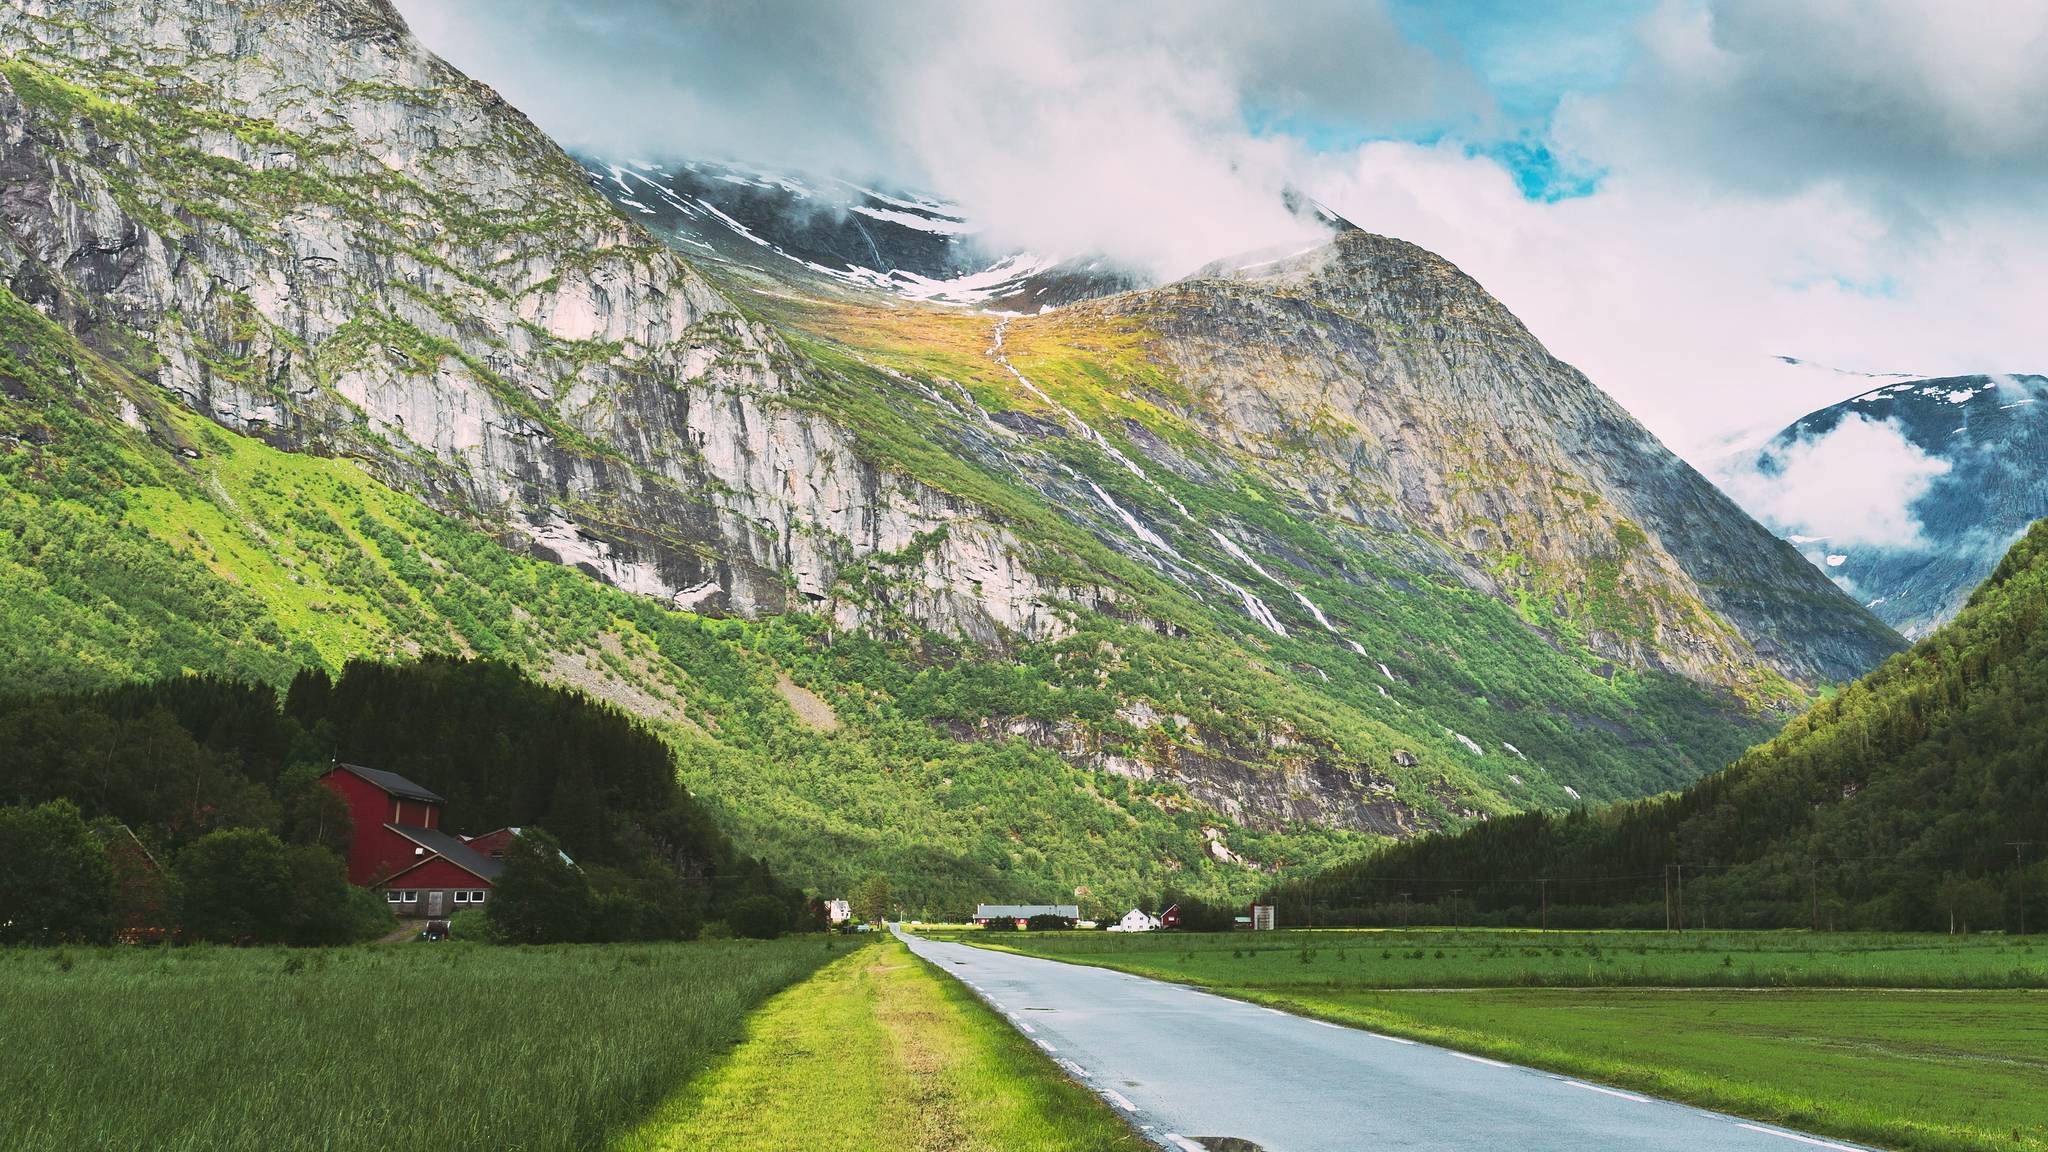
[[218, 777], [1915, 799]]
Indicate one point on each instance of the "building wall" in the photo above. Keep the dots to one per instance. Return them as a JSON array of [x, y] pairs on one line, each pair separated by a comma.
[[375, 851], [435, 875]]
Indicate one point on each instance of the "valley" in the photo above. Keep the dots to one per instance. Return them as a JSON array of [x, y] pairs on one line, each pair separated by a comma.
[[535, 595]]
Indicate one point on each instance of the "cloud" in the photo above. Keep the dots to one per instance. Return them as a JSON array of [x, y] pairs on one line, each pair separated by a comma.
[[1917, 105], [1851, 182], [1067, 127], [1854, 486]]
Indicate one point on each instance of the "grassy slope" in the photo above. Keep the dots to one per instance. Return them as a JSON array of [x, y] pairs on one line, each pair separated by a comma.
[[366, 1048], [1460, 661], [878, 1051], [1911, 1042], [133, 552]]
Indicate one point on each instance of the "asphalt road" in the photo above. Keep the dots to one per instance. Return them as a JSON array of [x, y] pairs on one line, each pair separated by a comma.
[[1185, 1065]]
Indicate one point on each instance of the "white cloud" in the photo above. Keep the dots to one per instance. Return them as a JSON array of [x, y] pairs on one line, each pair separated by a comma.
[[1852, 182], [1852, 487]]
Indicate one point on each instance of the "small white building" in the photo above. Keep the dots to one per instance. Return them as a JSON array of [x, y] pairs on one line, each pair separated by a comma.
[[1136, 920], [838, 911]]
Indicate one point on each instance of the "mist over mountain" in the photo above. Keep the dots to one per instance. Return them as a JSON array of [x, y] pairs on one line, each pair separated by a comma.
[[1909, 493]]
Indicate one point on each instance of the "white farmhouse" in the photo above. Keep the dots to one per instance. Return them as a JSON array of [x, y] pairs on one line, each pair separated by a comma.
[[838, 911], [1135, 921]]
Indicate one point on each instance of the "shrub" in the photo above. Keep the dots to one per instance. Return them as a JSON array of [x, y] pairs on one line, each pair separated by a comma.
[[758, 917], [237, 882], [541, 898], [56, 883], [1047, 922], [1000, 924]]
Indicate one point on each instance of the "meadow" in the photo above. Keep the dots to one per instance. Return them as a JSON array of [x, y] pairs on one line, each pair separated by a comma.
[[1920, 1042], [1491, 958], [447, 1046], [877, 1052]]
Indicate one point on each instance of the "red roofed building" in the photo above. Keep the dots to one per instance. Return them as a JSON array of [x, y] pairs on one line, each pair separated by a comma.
[[400, 849]]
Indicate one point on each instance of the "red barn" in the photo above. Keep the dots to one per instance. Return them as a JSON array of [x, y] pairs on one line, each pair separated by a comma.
[[400, 849]]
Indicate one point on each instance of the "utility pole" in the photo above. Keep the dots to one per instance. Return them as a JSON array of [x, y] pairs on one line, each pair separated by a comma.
[[1543, 887], [1454, 908], [1667, 897], [1813, 885], [1681, 897], [1404, 909], [2019, 855]]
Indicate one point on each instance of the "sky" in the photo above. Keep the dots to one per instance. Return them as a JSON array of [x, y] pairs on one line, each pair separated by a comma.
[[1670, 193]]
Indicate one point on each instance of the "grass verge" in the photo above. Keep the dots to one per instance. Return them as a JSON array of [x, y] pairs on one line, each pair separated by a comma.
[[447, 1046], [879, 1051]]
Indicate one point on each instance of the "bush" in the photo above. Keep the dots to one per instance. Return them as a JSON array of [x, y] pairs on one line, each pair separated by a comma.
[[245, 886], [758, 917], [472, 924], [1047, 922], [236, 882], [541, 898], [1000, 924], [56, 883]]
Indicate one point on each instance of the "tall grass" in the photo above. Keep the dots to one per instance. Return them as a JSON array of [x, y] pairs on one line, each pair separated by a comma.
[[444, 1046]]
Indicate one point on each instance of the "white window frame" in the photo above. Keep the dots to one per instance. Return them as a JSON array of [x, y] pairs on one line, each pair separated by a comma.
[[462, 896], [410, 896], [392, 894], [476, 896]]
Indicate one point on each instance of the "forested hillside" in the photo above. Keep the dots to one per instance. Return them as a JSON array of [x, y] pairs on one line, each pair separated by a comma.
[[1916, 798], [181, 759]]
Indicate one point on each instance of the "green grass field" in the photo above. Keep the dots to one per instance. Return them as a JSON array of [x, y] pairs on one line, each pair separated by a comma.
[[447, 1046], [1912, 1042], [1483, 958], [880, 1052]]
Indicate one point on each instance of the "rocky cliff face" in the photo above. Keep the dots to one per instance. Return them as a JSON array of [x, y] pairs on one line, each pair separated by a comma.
[[1388, 390], [313, 230]]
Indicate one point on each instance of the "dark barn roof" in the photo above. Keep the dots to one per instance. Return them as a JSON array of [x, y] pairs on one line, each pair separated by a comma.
[[452, 849], [392, 782]]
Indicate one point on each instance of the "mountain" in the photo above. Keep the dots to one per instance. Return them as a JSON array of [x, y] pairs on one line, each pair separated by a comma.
[[316, 350], [826, 233], [1897, 804], [1976, 455]]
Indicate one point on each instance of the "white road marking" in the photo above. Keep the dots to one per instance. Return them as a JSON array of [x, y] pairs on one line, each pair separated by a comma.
[[1602, 1091], [1044, 1045], [1395, 1039], [1076, 1069], [1117, 1098], [1019, 1022], [1184, 1142], [1327, 1024], [1479, 1059], [1798, 1137]]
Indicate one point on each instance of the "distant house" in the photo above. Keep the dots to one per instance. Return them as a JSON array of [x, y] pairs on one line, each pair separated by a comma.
[[1171, 917], [838, 911], [1136, 920], [1021, 913], [142, 893], [400, 849]]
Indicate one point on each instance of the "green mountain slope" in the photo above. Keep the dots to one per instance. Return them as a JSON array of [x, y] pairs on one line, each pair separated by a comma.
[[1912, 799], [141, 541], [317, 350]]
